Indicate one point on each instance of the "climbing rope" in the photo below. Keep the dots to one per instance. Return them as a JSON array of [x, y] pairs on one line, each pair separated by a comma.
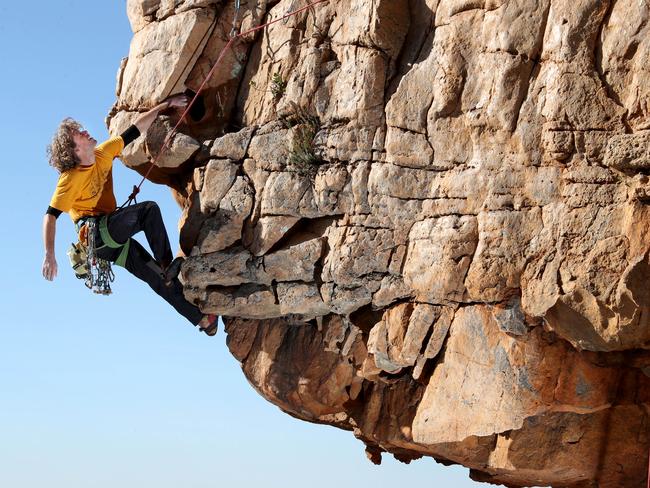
[[231, 41]]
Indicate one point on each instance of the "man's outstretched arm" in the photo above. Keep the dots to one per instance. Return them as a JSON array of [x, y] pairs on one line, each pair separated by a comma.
[[49, 232], [111, 148]]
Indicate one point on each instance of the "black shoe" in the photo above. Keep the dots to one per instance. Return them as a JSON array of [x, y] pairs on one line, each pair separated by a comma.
[[173, 270], [209, 324]]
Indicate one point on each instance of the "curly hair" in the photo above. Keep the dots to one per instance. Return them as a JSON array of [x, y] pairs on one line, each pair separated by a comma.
[[60, 151]]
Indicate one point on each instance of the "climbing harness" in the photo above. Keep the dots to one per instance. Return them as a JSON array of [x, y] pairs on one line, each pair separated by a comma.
[[233, 37], [110, 242]]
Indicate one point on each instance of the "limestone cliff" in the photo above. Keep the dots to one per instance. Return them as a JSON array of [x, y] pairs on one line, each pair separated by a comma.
[[423, 221]]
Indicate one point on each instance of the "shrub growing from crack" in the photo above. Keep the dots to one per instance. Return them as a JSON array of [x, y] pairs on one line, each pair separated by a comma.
[[303, 157], [278, 86]]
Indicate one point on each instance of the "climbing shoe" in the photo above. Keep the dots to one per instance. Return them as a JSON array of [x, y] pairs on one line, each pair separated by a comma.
[[209, 324]]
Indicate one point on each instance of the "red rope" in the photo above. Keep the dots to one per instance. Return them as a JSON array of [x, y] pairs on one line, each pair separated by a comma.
[[170, 136]]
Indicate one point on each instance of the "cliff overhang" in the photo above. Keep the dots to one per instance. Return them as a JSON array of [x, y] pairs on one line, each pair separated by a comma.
[[424, 221]]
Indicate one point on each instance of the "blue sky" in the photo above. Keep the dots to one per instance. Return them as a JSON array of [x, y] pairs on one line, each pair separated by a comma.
[[120, 391]]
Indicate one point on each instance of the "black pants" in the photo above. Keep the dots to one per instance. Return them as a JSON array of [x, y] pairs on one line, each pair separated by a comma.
[[145, 216]]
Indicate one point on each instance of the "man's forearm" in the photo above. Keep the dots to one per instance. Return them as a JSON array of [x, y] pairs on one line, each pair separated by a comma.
[[144, 121], [49, 233], [49, 263]]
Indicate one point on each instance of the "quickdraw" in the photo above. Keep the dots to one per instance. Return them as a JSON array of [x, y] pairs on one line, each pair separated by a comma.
[[235, 28], [100, 273]]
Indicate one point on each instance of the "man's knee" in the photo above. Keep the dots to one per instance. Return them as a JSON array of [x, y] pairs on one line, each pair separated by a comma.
[[152, 209], [151, 205]]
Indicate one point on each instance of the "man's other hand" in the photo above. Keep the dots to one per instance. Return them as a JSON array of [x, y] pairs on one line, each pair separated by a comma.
[[49, 267]]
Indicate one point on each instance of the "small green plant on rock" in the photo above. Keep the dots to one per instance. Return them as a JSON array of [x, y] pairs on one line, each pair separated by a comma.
[[303, 157], [278, 86]]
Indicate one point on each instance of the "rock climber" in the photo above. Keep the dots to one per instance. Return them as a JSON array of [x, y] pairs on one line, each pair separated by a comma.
[[85, 191]]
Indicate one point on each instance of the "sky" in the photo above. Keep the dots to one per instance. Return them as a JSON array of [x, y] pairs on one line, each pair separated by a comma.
[[120, 391]]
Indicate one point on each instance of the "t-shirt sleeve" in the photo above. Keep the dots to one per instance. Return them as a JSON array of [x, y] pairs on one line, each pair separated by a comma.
[[55, 212], [130, 135], [65, 193], [111, 148]]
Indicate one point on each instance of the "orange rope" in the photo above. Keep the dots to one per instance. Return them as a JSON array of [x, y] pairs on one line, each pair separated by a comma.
[[136, 189]]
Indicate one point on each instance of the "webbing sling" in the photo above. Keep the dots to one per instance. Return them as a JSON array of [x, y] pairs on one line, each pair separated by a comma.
[[110, 242]]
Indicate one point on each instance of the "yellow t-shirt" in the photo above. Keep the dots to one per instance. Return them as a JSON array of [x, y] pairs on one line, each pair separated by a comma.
[[88, 190]]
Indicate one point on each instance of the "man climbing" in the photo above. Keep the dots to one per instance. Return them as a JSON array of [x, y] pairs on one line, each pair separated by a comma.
[[85, 191]]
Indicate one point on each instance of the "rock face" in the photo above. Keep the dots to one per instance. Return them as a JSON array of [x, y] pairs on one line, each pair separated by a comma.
[[424, 221]]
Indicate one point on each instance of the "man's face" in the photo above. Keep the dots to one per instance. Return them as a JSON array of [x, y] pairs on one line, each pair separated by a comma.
[[84, 146]]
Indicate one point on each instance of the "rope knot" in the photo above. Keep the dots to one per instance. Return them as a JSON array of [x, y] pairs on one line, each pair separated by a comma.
[[134, 193]]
